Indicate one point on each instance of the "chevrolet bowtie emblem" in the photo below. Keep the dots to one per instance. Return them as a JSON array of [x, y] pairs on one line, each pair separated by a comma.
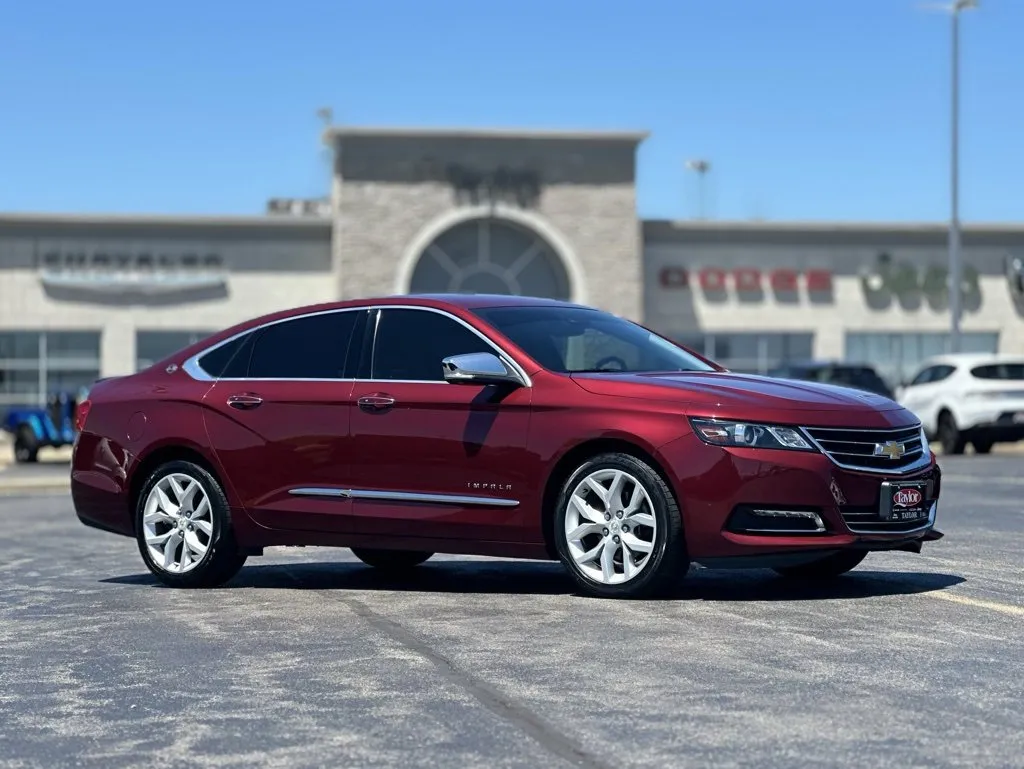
[[890, 449]]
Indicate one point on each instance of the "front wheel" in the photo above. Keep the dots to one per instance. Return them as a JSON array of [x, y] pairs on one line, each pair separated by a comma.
[[618, 529], [825, 568], [390, 560], [183, 528], [26, 447]]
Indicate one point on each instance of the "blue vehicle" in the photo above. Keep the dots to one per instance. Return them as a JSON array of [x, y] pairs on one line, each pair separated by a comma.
[[34, 428]]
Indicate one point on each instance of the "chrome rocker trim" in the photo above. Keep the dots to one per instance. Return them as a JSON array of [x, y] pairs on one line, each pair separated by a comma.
[[403, 496]]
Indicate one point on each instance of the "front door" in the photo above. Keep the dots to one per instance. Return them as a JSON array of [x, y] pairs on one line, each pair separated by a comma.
[[281, 430], [435, 459]]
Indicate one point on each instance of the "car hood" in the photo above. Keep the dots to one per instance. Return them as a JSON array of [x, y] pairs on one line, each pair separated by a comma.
[[747, 396]]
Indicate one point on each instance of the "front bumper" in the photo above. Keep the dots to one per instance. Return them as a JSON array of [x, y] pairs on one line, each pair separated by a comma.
[[718, 487]]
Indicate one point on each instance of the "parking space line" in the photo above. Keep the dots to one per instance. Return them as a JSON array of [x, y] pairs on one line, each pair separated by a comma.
[[988, 480], [1005, 608], [491, 697]]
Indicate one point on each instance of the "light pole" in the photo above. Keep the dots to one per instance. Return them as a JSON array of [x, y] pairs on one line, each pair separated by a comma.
[[701, 167], [955, 264]]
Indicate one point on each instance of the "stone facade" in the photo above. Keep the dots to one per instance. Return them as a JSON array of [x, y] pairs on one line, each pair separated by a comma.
[[394, 190]]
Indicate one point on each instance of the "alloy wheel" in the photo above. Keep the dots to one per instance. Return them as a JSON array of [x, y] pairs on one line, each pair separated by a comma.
[[178, 523], [610, 527]]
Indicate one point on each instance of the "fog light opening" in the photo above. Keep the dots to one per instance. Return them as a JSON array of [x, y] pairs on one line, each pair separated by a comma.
[[761, 520]]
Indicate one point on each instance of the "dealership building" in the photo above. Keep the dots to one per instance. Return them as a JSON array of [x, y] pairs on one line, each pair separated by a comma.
[[543, 213]]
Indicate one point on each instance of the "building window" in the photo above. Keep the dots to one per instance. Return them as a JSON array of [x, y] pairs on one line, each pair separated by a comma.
[[897, 356], [36, 364], [751, 353], [151, 346], [490, 256]]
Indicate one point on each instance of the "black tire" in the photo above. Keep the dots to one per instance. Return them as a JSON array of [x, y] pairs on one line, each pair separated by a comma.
[[829, 567], [222, 559], [26, 447], [982, 445], [390, 560], [952, 440], [667, 562]]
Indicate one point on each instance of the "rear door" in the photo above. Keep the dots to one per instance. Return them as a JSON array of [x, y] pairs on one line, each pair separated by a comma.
[[281, 428], [434, 459]]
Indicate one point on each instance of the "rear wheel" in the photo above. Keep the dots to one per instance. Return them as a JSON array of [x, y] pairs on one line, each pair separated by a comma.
[[26, 447], [982, 445], [390, 560], [183, 528], [953, 441], [825, 568], [618, 529]]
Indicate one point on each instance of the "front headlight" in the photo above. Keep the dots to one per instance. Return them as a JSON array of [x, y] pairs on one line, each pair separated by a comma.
[[749, 435]]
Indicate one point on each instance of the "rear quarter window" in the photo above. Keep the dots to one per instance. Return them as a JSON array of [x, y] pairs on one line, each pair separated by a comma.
[[230, 360], [1004, 371]]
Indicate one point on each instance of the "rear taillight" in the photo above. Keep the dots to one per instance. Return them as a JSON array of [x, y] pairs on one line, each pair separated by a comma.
[[82, 414]]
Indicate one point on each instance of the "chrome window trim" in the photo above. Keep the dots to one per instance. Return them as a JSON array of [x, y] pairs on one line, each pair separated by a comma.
[[502, 354], [404, 496], [193, 369], [917, 465]]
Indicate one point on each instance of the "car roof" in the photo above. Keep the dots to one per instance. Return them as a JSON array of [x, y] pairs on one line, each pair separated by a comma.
[[438, 301], [972, 359]]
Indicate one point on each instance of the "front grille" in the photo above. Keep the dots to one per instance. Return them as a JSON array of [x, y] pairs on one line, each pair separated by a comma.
[[858, 449], [866, 520]]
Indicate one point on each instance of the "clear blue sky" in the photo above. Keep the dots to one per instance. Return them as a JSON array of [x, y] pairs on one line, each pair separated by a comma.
[[807, 109]]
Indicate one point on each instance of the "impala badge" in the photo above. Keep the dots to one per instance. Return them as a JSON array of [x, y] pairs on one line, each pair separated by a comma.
[[489, 486]]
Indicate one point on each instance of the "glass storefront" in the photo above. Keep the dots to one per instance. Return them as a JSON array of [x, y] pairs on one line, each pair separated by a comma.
[[896, 356], [751, 353], [37, 364]]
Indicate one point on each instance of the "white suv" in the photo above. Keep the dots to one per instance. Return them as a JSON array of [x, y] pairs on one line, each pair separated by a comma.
[[970, 397]]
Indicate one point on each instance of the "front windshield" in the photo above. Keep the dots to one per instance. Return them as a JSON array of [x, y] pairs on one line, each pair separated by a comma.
[[577, 339]]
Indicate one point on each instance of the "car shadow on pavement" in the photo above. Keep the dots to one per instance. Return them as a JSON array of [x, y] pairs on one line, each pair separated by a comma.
[[541, 578], [764, 585]]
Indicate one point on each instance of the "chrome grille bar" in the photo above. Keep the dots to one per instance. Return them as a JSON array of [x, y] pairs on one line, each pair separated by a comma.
[[894, 451]]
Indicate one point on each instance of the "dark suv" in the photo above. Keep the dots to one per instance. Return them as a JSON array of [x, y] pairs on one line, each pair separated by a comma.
[[856, 375]]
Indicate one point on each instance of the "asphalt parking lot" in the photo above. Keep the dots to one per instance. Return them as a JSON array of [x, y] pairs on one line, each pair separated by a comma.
[[308, 659]]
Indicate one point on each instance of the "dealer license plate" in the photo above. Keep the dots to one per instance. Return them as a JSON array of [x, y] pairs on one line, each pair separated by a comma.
[[904, 500]]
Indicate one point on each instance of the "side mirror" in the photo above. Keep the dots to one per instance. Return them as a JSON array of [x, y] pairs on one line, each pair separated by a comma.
[[478, 368]]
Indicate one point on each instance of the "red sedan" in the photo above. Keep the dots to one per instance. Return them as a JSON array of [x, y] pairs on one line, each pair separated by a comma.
[[493, 425]]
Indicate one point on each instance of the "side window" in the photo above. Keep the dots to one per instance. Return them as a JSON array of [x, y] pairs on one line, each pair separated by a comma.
[[923, 377], [311, 347], [942, 372], [1010, 371], [230, 360], [411, 344]]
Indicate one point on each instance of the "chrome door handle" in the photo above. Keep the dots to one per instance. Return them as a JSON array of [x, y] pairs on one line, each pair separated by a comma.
[[376, 402], [244, 401]]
